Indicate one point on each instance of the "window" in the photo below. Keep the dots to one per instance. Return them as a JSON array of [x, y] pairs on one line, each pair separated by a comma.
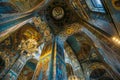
[[95, 5]]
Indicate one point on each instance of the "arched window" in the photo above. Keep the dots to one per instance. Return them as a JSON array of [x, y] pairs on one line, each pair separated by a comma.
[[95, 5]]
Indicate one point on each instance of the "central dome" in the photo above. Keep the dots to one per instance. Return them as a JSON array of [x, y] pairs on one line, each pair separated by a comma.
[[58, 13]]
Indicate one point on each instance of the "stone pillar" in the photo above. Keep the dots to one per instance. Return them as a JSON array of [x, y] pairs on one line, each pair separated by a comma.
[[42, 69], [14, 72], [52, 63], [59, 60]]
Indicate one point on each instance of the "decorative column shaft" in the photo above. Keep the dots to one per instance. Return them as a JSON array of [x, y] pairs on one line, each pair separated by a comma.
[[14, 72], [52, 63], [58, 61]]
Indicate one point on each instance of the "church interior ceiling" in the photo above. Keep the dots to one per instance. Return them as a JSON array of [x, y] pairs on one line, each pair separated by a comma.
[[89, 30], [26, 5]]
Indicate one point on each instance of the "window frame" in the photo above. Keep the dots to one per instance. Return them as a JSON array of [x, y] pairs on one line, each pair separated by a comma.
[[94, 8], [97, 5]]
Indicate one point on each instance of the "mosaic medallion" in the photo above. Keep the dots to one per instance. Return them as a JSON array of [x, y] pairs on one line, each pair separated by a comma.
[[58, 13]]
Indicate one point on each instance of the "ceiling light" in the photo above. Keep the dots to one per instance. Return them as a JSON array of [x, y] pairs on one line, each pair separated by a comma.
[[116, 40], [113, 38]]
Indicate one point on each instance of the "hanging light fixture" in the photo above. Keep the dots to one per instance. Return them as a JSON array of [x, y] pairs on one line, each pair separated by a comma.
[[116, 40]]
